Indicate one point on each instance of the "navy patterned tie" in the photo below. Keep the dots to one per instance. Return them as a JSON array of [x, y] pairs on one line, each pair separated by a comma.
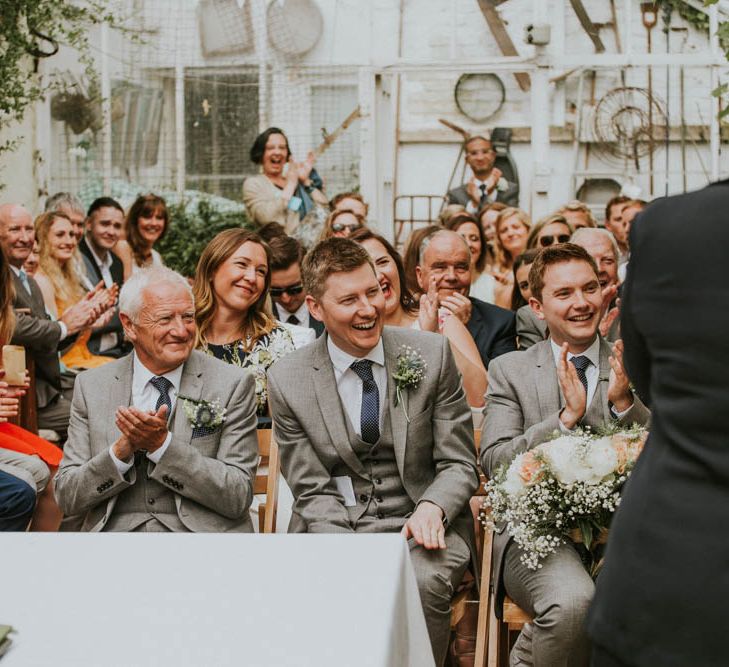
[[369, 418], [163, 386], [581, 364]]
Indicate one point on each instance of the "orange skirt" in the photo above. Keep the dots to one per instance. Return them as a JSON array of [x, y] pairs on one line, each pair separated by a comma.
[[19, 440]]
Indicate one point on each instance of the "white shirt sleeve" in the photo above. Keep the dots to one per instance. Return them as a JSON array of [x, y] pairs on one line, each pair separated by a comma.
[[121, 466], [64, 329], [157, 454]]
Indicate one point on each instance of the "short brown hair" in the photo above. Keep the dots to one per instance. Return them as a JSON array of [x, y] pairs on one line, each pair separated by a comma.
[[285, 251], [615, 201], [333, 255], [556, 254]]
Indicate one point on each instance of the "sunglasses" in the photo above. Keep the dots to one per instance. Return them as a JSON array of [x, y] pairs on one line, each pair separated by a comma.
[[339, 227], [548, 240], [291, 290]]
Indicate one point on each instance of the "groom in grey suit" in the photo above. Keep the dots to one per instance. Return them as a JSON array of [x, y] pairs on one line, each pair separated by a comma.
[[571, 379], [359, 459], [165, 438]]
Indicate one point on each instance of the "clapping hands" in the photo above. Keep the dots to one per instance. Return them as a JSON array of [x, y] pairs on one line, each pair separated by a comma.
[[575, 396], [429, 304], [619, 393], [139, 430]]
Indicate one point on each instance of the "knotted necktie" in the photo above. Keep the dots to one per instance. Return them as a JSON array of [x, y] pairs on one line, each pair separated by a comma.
[[369, 418], [484, 195], [581, 364], [163, 386], [24, 280], [293, 320]]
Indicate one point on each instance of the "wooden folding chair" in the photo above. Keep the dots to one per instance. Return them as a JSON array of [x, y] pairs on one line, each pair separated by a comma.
[[266, 481]]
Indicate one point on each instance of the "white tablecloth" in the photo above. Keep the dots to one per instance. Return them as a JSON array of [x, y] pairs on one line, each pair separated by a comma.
[[210, 600]]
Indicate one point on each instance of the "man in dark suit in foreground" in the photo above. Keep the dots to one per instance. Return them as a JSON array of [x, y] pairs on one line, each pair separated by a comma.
[[661, 598], [445, 258]]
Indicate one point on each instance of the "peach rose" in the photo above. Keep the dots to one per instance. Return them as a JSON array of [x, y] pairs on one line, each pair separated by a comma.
[[530, 470]]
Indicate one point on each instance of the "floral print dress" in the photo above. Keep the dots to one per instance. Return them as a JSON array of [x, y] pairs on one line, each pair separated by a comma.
[[265, 352]]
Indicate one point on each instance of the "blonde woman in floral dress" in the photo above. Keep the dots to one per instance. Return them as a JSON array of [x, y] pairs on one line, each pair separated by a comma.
[[233, 320]]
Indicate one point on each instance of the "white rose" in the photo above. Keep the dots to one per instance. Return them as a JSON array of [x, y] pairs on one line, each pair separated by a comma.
[[562, 458], [601, 459], [502, 185], [513, 484]]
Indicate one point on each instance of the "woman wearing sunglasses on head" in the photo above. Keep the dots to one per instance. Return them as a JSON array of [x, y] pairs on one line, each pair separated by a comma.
[[342, 223], [549, 231], [234, 323]]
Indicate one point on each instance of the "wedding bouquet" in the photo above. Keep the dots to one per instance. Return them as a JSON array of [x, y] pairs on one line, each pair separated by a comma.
[[565, 488]]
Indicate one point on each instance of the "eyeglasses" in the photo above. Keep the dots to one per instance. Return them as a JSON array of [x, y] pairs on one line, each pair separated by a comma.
[[549, 239], [291, 290], [340, 227]]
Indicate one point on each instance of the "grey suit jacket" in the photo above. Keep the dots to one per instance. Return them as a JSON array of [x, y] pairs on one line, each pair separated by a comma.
[[434, 451], [40, 336], [522, 411], [459, 195], [211, 475], [529, 328]]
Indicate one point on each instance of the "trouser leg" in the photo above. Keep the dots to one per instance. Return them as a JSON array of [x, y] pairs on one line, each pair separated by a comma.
[[557, 595], [17, 502], [55, 417], [438, 573]]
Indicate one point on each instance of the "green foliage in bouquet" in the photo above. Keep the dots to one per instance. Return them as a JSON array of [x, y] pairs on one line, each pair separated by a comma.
[[191, 229]]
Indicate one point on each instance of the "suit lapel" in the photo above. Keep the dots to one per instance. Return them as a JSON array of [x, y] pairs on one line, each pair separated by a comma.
[[327, 396], [398, 420], [120, 394], [546, 382], [191, 386]]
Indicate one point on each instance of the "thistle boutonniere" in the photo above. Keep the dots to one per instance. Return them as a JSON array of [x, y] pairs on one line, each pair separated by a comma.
[[204, 414], [410, 371]]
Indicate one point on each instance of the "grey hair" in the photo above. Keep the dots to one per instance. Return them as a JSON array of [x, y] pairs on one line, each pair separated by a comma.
[[65, 200], [585, 232], [132, 292], [429, 239]]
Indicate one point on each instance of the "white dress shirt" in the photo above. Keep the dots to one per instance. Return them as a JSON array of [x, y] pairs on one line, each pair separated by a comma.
[[349, 384], [107, 340], [302, 314], [144, 397], [64, 329]]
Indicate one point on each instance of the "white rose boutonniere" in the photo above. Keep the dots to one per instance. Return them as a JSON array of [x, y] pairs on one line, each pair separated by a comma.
[[204, 414], [410, 371]]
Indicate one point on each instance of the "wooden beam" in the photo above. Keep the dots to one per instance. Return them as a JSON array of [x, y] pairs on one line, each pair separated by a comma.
[[498, 30], [590, 28]]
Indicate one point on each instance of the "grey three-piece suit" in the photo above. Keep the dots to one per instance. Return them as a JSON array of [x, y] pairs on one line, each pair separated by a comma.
[[431, 458], [522, 411], [202, 483]]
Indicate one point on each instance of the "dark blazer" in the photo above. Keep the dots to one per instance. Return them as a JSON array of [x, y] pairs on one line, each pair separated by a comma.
[[662, 596], [493, 330], [316, 325], [459, 195], [94, 275], [41, 337]]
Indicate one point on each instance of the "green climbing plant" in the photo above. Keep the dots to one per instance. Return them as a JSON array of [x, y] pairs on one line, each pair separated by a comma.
[[33, 30]]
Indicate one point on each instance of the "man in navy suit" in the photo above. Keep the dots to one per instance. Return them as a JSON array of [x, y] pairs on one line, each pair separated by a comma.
[[445, 258]]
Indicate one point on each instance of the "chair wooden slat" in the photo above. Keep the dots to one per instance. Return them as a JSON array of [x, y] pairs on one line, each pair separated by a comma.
[[267, 482]]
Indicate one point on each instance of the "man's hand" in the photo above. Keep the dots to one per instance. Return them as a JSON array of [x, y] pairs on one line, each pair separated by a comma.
[[474, 192], [122, 449], [575, 396], [493, 180], [144, 430], [609, 317], [619, 393], [428, 313], [459, 305], [426, 527]]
